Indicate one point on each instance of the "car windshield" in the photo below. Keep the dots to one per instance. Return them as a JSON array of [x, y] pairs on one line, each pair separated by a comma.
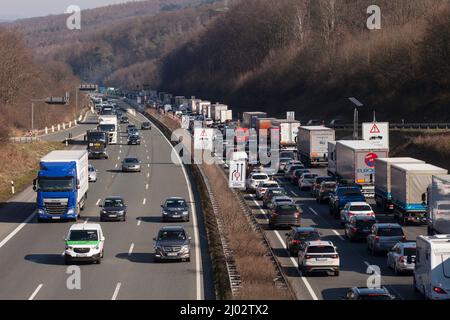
[[172, 235], [319, 180], [360, 208], [329, 186], [131, 160], [365, 224], [309, 176], [91, 169], [307, 235], [321, 249], [83, 235], [409, 252], [55, 184], [107, 127], [277, 192], [349, 192], [113, 203], [259, 177], [175, 203], [286, 209], [287, 155], [390, 232]]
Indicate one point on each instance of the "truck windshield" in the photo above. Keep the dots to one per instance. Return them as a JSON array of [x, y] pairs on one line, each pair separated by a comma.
[[107, 127], [97, 136], [56, 184], [83, 235]]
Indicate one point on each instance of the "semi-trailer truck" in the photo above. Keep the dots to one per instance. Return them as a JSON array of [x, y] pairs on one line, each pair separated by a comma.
[[409, 184], [332, 165], [383, 196], [109, 124], [355, 163], [97, 143], [312, 144], [438, 206], [249, 119], [288, 131], [62, 185]]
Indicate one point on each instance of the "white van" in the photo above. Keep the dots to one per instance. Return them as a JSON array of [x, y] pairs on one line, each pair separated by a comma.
[[84, 242], [432, 269]]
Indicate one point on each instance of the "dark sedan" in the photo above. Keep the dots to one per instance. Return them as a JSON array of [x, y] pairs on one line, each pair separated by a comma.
[[146, 126], [134, 140], [285, 215], [359, 227], [175, 209], [298, 236], [172, 243], [113, 209], [368, 294]]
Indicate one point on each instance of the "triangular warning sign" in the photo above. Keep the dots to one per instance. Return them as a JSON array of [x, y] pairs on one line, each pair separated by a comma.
[[203, 133], [375, 129]]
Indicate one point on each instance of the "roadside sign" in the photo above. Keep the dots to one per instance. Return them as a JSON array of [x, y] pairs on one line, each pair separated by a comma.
[[237, 174], [377, 133], [203, 139], [290, 115], [185, 122]]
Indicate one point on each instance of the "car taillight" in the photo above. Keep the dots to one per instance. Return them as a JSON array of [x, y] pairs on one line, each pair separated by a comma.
[[402, 259], [377, 238], [308, 257], [391, 207], [334, 256], [297, 214], [350, 214], [439, 290], [296, 242], [274, 214]]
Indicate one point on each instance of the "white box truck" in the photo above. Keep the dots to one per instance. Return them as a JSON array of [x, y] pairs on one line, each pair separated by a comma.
[[109, 124], [383, 195], [409, 185], [438, 209], [332, 164], [62, 185], [288, 131], [226, 115], [216, 110], [312, 144], [432, 267], [205, 109], [356, 163]]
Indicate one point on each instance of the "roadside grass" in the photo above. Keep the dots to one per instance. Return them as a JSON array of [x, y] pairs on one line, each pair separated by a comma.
[[19, 163]]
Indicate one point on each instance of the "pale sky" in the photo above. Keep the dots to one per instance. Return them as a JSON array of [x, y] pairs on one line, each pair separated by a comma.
[[15, 9]]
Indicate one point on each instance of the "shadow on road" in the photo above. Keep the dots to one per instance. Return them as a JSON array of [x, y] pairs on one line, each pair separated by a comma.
[[137, 257], [16, 212], [49, 259], [149, 219]]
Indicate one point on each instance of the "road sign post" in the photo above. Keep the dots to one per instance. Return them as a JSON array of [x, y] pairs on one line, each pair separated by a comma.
[[377, 133]]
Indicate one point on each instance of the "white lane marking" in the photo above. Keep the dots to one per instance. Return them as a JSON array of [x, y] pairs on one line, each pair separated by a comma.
[[148, 165], [293, 261], [198, 266], [144, 201], [16, 230], [148, 157], [333, 230], [116, 291], [33, 295], [148, 175], [118, 158], [146, 151], [146, 186], [98, 202], [139, 222], [130, 251], [120, 151], [116, 166], [86, 221]]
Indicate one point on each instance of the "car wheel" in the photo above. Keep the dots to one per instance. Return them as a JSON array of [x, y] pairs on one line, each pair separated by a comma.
[[336, 273], [99, 261], [188, 259], [124, 218], [103, 253], [157, 260], [67, 261], [101, 219]]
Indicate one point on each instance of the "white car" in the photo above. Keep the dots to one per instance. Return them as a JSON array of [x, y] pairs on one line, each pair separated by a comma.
[[318, 256], [306, 180], [292, 163], [402, 257], [84, 242], [92, 173], [356, 209], [255, 179], [280, 200], [263, 186], [283, 163]]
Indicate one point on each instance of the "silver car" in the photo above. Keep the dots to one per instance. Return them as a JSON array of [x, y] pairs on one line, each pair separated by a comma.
[[131, 165], [172, 243], [384, 237], [402, 257], [92, 173]]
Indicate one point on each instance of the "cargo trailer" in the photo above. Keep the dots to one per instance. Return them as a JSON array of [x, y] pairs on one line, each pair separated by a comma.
[[438, 208], [312, 144]]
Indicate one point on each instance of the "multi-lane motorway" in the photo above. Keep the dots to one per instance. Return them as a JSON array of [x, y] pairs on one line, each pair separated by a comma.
[[354, 257], [31, 261]]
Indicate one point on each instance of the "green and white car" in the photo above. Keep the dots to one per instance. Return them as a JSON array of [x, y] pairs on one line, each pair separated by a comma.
[[84, 242]]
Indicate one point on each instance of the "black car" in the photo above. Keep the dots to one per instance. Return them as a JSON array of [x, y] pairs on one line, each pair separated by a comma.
[[146, 126], [124, 119], [359, 227], [134, 140], [285, 215], [298, 236], [172, 243], [357, 293], [175, 209], [113, 209]]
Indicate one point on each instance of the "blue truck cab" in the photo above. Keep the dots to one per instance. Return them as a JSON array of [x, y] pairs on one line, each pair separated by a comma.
[[62, 185], [342, 195]]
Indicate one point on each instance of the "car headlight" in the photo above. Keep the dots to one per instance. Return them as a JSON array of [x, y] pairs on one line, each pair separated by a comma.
[[40, 211], [97, 247], [185, 213], [103, 211], [164, 213]]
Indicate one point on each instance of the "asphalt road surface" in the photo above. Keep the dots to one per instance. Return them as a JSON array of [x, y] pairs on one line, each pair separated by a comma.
[[31, 261]]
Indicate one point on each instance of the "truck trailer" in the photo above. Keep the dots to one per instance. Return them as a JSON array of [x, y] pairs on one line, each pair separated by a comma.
[[332, 158], [312, 144], [216, 110], [438, 208], [355, 163], [109, 124], [383, 194], [409, 184], [62, 185], [249, 119], [288, 131]]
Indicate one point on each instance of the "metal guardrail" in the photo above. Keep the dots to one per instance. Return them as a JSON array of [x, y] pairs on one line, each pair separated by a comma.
[[24, 139]]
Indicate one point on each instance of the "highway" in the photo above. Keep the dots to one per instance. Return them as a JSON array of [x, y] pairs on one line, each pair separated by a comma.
[[354, 257], [31, 261]]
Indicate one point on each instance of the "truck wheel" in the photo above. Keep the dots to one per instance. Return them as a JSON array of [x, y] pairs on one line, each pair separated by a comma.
[[336, 273]]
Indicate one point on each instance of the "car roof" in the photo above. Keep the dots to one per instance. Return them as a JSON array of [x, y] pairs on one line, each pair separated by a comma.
[[85, 226], [319, 243], [175, 198], [172, 228], [388, 225], [366, 291]]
